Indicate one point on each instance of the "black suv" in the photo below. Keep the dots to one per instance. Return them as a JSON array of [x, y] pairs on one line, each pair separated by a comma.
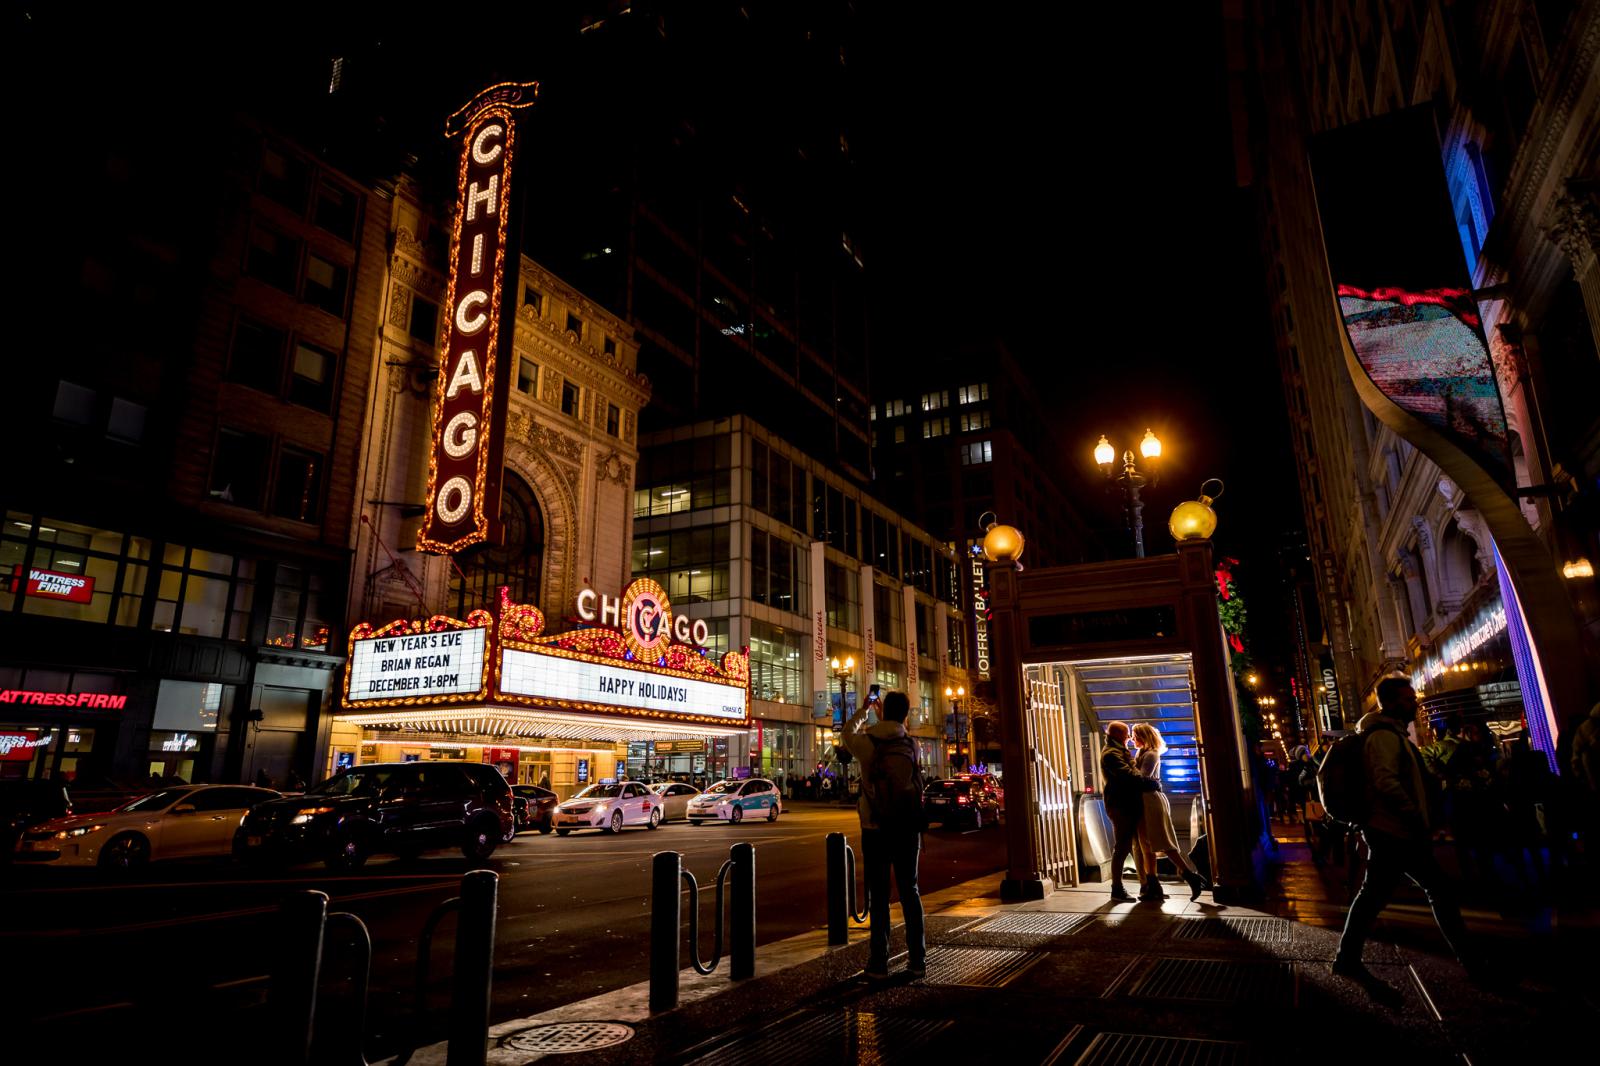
[[398, 808], [961, 801]]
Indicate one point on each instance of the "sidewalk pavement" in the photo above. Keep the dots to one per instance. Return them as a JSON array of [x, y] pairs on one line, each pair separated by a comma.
[[1075, 978]]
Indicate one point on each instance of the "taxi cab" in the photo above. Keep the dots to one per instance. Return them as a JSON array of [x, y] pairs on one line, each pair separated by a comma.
[[734, 800], [609, 807]]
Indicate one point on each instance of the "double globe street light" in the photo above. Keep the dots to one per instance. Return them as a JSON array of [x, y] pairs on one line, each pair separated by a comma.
[[1131, 479], [842, 669]]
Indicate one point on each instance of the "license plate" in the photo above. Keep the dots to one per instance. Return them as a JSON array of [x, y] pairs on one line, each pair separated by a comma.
[[254, 842], [939, 802]]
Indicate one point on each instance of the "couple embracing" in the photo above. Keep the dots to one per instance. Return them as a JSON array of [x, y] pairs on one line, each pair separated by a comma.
[[1140, 814]]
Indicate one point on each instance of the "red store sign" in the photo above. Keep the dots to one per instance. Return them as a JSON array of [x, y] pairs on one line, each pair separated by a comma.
[[52, 585], [18, 747], [94, 701]]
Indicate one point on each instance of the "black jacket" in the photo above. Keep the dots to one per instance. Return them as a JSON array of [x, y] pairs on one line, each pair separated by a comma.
[[1125, 786]]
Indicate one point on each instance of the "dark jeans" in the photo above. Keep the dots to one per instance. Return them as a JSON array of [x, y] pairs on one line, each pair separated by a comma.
[[1125, 824], [1389, 858], [887, 851]]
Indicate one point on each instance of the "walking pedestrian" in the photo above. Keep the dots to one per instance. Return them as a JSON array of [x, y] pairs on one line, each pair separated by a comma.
[[1156, 835], [1123, 788], [890, 808], [1398, 830]]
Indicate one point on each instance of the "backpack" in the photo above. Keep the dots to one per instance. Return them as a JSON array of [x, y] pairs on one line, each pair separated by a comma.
[[894, 785], [1342, 781]]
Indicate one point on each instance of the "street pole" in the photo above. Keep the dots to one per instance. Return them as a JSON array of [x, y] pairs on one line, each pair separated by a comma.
[[844, 720], [1131, 480]]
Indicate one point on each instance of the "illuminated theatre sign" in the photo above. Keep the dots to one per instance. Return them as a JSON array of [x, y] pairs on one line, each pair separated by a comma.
[[470, 402], [508, 670]]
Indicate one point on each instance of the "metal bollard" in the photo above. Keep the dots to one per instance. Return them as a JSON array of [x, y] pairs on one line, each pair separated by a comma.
[[293, 992], [474, 970], [838, 901], [742, 937], [355, 1018], [666, 922]]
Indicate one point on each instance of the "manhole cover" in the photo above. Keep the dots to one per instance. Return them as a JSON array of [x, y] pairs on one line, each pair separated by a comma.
[[567, 1037], [1035, 924], [1255, 930]]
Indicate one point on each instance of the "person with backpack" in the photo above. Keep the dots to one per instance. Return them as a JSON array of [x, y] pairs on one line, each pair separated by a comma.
[[891, 827], [1374, 780]]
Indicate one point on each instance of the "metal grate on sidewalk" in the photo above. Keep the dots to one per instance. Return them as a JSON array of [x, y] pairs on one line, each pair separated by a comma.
[[1035, 924], [1213, 981], [979, 967], [831, 1036], [1270, 931], [565, 1038], [1131, 1049]]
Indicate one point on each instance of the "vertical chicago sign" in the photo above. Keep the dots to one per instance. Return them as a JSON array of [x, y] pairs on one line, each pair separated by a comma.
[[470, 402]]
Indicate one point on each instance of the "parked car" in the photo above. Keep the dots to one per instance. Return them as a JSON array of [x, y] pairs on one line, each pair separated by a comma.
[[186, 822], [961, 801], [535, 807], [24, 804], [675, 799], [733, 799], [609, 807], [392, 808]]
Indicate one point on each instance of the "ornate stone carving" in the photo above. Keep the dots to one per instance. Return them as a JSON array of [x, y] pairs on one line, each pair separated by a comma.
[[1574, 222], [399, 307], [1424, 534], [405, 241], [555, 442], [1505, 349], [1409, 565], [612, 467], [627, 426]]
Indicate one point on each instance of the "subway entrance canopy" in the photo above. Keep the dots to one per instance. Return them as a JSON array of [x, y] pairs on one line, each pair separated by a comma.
[[504, 677]]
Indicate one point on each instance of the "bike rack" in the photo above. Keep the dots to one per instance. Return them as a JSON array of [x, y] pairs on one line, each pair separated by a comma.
[[842, 890], [666, 921], [468, 1026], [297, 971]]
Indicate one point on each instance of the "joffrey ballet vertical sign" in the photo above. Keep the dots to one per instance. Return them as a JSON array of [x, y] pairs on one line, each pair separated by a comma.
[[464, 467]]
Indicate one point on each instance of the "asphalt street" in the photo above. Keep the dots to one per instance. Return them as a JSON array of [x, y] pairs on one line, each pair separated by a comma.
[[573, 922]]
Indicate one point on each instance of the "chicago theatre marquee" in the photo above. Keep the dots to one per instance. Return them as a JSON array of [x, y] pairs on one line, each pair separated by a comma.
[[494, 687], [507, 403]]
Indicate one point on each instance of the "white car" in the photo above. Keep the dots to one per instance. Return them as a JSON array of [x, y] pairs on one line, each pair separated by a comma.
[[609, 807], [675, 798], [183, 822], [733, 800]]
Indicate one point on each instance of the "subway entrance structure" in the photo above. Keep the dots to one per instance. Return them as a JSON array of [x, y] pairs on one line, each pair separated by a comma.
[[1132, 640]]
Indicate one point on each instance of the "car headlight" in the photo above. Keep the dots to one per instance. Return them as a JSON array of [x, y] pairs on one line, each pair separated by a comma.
[[601, 808], [305, 814], [78, 831]]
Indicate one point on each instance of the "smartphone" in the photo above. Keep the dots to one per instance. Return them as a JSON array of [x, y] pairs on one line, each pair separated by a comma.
[[872, 705]]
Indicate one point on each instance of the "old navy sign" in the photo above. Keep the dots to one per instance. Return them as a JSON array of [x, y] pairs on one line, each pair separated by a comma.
[[464, 467]]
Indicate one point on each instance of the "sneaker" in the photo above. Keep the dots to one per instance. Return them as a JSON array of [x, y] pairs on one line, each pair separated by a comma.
[[917, 970]]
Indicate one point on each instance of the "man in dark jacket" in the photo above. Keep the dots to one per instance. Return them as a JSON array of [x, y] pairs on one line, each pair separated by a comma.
[[1398, 831], [1124, 788]]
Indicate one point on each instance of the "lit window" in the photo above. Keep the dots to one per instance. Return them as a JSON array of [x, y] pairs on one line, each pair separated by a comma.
[[325, 285], [973, 393], [311, 383], [899, 434], [976, 453], [934, 401], [976, 420], [935, 427]]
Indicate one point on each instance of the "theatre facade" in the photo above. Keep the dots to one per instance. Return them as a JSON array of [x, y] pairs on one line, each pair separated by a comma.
[[559, 707]]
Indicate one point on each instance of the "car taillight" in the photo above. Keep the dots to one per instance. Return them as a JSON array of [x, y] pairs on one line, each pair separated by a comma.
[[961, 799]]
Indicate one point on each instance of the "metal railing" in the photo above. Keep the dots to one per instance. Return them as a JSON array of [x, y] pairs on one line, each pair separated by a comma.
[[666, 921], [842, 890]]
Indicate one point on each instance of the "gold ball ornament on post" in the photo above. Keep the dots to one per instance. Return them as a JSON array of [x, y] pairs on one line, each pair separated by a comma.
[[1003, 544], [1194, 519]]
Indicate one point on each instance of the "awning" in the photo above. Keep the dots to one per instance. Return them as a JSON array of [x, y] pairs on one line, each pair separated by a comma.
[[494, 721]]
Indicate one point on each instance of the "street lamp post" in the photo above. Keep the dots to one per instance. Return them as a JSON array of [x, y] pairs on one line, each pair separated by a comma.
[[1131, 479], [955, 696], [842, 670]]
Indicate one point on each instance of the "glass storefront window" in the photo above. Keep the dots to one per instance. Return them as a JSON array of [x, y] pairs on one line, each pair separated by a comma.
[[777, 658], [191, 706]]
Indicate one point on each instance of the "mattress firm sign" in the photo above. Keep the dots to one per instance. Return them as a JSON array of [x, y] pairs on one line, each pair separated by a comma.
[[597, 686], [415, 665]]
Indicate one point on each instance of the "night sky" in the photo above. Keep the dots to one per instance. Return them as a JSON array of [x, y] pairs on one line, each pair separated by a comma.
[[1061, 178]]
